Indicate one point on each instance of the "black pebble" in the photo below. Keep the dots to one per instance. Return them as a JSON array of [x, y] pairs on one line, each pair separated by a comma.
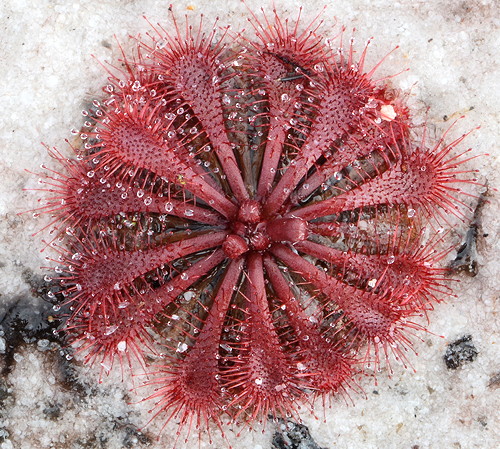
[[460, 352]]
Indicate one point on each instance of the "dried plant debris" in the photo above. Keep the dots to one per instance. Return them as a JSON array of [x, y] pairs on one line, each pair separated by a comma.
[[494, 381], [466, 260]]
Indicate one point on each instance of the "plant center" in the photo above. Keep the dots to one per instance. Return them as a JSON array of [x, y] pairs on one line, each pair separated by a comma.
[[250, 231]]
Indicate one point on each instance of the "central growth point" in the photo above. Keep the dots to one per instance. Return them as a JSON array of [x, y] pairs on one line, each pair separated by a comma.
[[250, 232]]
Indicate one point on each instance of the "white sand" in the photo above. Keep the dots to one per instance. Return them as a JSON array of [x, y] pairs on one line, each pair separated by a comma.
[[48, 75]]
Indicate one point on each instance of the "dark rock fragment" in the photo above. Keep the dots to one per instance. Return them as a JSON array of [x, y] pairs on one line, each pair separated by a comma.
[[291, 435], [460, 352]]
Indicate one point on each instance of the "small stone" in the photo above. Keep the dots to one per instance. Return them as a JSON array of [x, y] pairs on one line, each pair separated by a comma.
[[460, 352]]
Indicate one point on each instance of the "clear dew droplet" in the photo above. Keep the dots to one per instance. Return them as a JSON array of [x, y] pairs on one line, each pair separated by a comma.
[[372, 282], [189, 295], [159, 45], [110, 330]]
